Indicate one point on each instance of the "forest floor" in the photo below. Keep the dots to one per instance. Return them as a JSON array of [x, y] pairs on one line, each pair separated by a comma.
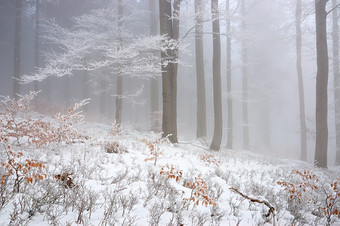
[[125, 177]]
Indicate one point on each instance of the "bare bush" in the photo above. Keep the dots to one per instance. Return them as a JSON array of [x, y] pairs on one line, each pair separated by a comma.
[[16, 218], [114, 147], [155, 213]]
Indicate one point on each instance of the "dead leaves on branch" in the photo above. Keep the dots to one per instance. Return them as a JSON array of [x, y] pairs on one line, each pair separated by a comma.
[[16, 122]]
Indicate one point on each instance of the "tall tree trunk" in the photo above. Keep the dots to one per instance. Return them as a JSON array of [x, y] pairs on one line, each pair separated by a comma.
[[229, 97], [67, 91], [118, 116], [169, 74], [201, 101], [303, 128], [321, 84], [103, 98], [244, 78], [36, 41], [335, 34], [17, 46], [155, 124], [85, 87], [175, 29], [45, 84], [217, 137]]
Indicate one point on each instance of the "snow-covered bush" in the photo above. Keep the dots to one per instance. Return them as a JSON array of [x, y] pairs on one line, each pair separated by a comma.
[[154, 148], [18, 169], [114, 147], [65, 130], [17, 123], [307, 191]]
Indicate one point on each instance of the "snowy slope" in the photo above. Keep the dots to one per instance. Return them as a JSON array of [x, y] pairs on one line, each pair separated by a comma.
[[131, 188]]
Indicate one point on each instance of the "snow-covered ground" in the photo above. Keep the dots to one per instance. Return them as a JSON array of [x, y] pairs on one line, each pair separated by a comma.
[[143, 184]]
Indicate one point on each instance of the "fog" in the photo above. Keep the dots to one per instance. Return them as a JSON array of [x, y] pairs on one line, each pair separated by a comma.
[[273, 95]]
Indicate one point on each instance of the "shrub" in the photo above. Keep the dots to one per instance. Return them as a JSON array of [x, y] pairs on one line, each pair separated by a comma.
[[21, 169], [170, 172], [210, 159], [65, 179], [199, 192], [16, 122], [115, 129], [65, 130], [154, 148], [322, 197], [114, 147]]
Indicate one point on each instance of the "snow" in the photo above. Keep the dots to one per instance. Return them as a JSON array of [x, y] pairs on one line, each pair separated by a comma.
[[140, 195]]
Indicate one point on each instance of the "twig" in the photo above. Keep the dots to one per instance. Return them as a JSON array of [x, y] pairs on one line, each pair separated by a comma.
[[334, 8], [271, 209]]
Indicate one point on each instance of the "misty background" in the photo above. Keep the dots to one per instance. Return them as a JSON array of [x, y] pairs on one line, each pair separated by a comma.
[[272, 78]]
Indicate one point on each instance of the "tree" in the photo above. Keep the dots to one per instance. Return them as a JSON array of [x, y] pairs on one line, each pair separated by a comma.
[[36, 40], [321, 84], [303, 128], [201, 101], [169, 27], [17, 46], [118, 116], [229, 98], [244, 78], [336, 72], [154, 81], [94, 44], [217, 137]]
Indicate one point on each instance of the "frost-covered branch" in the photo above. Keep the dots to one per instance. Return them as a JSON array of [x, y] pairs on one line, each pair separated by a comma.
[[92, 44]]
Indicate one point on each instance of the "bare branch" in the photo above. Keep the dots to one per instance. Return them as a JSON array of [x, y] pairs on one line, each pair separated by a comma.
[[271, 210], [337, 6]]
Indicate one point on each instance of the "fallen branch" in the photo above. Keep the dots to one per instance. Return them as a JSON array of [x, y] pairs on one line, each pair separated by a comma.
[[271, 209]]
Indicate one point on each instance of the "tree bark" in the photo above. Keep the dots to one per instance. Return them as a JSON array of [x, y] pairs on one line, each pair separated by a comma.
[[217, 137], [36, 41], [229, 97], [201, 101], [67, 91], [321, 84], [303, 128], [335, 35], [169, 75], [155, 125], [118, 116], [244, 78], [17, 47]]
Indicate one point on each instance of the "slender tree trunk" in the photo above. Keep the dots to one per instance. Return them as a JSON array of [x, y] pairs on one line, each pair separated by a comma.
[[17, 46], [217, 137], [45, 84], [155, 124], [118, 116], [169, 74], [85, 87], [67, 90], [303, 128], [36, 41], [103, 97], [201, 101], [335, 34], [175, 28], [321, 84], [229, 98], [244, 78], [119, 103]]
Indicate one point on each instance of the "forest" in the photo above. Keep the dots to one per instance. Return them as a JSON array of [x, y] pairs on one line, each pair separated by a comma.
[[169, 112]]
